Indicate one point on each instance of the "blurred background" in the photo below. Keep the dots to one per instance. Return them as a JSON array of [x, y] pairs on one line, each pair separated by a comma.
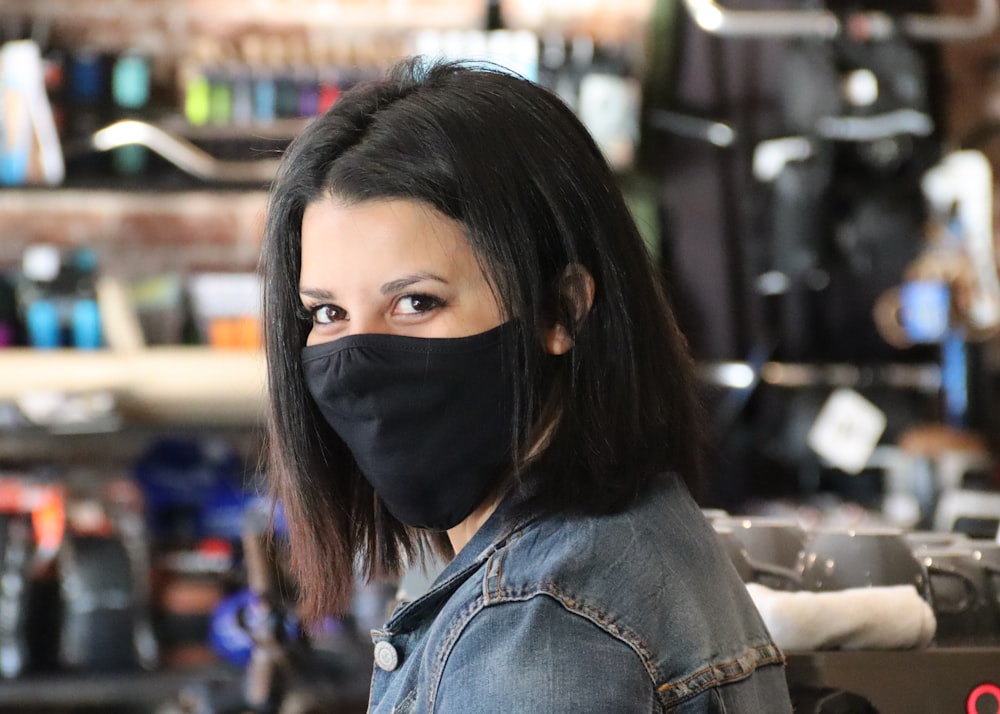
[[814, 179]]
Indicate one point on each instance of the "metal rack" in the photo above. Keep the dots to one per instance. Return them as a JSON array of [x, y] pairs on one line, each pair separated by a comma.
[[718, 20]]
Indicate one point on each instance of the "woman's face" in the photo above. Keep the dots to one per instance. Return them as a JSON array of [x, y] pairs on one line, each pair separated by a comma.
[[390, 266]]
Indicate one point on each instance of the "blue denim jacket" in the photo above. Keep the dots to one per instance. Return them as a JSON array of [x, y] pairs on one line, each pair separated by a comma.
[[635, 612]]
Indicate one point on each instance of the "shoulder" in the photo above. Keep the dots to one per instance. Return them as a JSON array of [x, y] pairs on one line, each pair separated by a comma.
[[654, 558], [535, 655], [651, 579]]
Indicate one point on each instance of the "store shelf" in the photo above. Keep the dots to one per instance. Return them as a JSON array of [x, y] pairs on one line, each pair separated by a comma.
[[190, 385], [66, 691], [149, 692], [920, 377], [938, 679]]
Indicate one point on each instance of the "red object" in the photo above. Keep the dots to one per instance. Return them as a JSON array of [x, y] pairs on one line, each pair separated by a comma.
[[991, 691], [328, 95]]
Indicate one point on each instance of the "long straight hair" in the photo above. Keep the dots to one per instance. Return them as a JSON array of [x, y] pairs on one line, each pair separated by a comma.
[[511, 163]]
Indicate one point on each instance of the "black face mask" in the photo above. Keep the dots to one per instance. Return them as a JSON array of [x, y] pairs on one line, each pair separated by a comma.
[[429, 421]]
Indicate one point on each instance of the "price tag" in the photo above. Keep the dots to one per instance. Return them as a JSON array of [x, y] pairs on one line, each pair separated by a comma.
[[847, 430]]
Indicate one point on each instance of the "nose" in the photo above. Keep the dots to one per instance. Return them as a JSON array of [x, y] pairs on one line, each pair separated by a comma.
[[353, 325], [367, 324]]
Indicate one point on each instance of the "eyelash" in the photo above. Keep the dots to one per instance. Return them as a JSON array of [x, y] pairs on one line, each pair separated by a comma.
[[308, 314], [432, 301], [315, 309]]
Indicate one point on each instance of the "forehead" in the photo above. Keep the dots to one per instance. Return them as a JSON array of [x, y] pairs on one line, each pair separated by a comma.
[[350, 235], [331, 216]]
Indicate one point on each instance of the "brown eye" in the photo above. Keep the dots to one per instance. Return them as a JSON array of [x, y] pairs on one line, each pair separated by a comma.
[[416, 304], [326, 314]]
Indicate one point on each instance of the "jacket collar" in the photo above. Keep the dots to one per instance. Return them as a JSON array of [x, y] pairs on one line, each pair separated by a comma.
[[507, 519]]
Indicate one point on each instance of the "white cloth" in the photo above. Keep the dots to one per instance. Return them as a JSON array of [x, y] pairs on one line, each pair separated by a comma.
[[876, 618]]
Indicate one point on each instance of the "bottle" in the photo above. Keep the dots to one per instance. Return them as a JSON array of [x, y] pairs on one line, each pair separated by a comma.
[[130, 92], [40, 266], [263, 99], [494, 15], [8, 313], [57, 296]]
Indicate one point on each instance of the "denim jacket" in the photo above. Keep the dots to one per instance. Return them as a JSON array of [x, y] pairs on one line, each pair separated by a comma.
[[635, 612]]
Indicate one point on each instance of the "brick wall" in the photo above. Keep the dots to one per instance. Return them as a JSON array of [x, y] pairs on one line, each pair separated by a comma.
[[968, 80], [165, 26], [139, 234], [142, 233]]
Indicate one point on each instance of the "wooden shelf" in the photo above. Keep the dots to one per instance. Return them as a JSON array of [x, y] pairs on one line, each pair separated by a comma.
[[190, 385]]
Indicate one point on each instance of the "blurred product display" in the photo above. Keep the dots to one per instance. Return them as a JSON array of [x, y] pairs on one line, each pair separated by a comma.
[[817, 181]]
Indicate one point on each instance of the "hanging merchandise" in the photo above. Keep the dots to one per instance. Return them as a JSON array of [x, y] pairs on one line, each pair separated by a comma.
[[799, 203], [30, 149], [98, 613], [845, 214], [193, 490], [17, 550], [608, 105], [833, 108], [959, 191], [950, 294], [952, 284]]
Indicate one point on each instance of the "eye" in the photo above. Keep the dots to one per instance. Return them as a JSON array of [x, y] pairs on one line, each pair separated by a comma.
[[416, 304], [326, 314]]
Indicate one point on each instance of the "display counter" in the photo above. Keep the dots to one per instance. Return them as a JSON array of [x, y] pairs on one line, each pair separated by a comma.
[[928, 681]]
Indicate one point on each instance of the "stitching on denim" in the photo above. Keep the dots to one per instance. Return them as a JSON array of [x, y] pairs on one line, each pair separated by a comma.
[[406, 704], [486, 577], [444, 652], [589, 612], [671, 693], [714, 675], [371, 684], [470, 611], [502, 556], [493, 577]]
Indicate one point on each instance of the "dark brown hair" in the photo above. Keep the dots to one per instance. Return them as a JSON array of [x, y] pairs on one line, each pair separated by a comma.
[[511, 163]]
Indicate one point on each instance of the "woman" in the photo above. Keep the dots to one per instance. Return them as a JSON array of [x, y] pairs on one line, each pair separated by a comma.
[[468, 350]]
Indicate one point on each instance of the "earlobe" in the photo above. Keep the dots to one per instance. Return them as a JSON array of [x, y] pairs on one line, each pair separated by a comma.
[[576, 294], [558, 340]]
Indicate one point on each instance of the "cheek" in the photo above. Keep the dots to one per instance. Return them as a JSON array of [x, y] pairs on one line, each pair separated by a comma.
[[488, 311]]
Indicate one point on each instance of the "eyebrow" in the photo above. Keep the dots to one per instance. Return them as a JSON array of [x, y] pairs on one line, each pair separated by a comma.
[[406, 281], [316, 293], [388, 288]]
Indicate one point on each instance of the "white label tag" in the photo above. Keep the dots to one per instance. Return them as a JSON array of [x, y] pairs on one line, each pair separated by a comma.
[[847, 430]]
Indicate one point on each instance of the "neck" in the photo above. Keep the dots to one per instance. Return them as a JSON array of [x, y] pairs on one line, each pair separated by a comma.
[[463, 532]]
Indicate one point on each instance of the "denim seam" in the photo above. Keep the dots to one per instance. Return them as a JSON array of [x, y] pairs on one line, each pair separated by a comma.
[[671, 693], [406, 704], [716, 675], [600, 618], [444, 652], [371, 685], [494, 574]]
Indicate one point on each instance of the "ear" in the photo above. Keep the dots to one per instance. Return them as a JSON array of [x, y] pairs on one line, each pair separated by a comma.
[[576, 295]]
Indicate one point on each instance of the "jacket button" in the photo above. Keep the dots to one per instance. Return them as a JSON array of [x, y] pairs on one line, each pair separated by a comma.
[[386, 656]]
